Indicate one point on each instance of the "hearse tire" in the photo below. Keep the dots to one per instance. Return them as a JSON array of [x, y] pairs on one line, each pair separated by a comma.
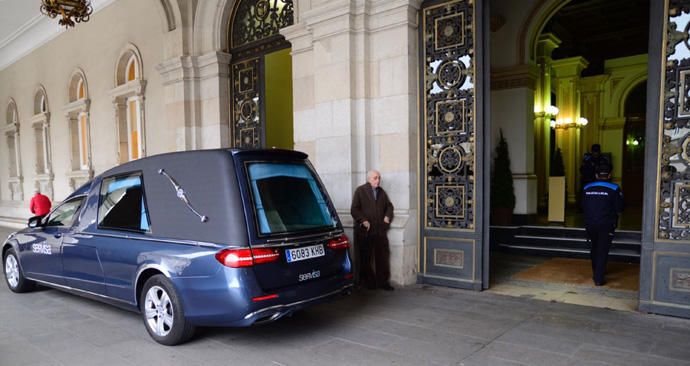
[[14, 277], [162, 312]]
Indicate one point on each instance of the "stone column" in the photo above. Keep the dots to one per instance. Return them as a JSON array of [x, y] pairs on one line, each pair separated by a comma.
[[568, 139], [214, 94], [542, 116], [197, 99], [180, 86], [512, 110], [593, 88], [354, 100]]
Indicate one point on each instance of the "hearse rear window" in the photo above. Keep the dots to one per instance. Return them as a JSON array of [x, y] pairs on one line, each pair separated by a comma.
[[122, 204], [287, 198]]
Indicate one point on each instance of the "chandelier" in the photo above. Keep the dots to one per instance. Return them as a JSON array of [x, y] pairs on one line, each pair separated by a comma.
[[80, 10]]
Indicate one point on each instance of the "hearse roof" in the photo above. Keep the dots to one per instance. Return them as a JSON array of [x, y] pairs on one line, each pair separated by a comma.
[[208, 179]]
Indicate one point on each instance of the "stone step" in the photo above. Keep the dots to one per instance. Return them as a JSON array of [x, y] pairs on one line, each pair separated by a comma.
[[563, 242]]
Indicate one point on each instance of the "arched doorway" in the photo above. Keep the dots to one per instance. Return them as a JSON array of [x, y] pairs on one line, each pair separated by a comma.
[[261, 74], [587, 56]]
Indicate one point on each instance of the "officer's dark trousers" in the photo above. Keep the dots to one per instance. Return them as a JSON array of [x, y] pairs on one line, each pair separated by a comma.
[[600, 237], [373, 260]]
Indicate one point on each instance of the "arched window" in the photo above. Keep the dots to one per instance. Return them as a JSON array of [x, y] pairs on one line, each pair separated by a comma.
[[12, 133], [14, 152], [80, 89], [132, 70], [128, 97], [41, 129], [40, 124], [77, 112]]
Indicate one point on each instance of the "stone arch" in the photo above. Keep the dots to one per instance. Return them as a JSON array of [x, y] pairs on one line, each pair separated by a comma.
[[211, 23], [129, 51], [40, 97], [170, 14], [74, 79], [541, 13]]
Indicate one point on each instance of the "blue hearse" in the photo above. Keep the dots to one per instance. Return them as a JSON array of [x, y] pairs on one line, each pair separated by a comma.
[[198, 238]]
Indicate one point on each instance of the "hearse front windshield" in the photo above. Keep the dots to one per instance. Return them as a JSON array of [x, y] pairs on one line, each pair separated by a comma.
[[287, 198]]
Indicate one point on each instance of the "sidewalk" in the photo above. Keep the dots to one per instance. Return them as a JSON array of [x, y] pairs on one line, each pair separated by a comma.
[[418, 325]]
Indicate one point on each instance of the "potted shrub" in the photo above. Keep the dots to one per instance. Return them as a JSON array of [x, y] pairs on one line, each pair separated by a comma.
[[502, 194], [557, 188]]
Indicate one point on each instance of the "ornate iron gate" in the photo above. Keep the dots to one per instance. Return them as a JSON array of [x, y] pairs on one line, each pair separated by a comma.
[[665, 272], [451, 142]]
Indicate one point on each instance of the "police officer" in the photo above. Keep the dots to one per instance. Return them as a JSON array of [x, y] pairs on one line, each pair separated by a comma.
[[602, 201]]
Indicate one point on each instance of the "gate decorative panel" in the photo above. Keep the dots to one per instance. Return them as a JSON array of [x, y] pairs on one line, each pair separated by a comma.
[[451, 251], [674, 168], [246, 96], [665, 260], [449, 118]]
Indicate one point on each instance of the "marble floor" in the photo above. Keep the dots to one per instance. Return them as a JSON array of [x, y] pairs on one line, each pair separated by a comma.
[[565, 280]]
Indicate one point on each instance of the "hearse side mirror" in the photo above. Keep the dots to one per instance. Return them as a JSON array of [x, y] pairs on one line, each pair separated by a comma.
[[35, 221]]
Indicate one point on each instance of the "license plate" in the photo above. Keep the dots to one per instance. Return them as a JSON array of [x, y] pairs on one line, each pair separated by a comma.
[[300, 254]]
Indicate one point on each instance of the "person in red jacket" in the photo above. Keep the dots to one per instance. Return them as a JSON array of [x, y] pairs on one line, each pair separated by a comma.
[[40, 204]]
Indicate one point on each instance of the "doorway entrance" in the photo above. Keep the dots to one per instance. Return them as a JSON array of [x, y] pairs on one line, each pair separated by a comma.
[[261, 75], [591, 57]]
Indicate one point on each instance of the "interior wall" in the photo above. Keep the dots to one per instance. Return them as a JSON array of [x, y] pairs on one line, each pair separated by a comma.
[[512, 112]]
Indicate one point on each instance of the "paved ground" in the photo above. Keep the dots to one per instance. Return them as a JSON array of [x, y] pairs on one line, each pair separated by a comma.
[[419, 325]]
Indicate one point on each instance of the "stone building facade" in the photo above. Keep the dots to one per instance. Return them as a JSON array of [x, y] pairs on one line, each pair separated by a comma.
[[416, 89]]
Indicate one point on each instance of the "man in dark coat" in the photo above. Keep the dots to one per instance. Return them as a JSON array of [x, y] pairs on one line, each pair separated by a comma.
[[373, 213], [602, 201]]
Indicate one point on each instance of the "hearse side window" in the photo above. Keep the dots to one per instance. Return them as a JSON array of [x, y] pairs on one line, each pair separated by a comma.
[[65, 214], [287, 198], [122, 204]]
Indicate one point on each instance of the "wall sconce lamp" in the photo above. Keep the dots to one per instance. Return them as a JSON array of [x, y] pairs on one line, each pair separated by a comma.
[[551, 111], [569, 123], [633, 142]]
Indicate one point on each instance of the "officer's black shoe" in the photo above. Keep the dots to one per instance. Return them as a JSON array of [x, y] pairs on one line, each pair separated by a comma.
[[599, 283], [387, 287]]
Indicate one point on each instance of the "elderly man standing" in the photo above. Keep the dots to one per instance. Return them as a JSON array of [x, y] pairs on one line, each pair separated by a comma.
[[40, 204], [373, 213]]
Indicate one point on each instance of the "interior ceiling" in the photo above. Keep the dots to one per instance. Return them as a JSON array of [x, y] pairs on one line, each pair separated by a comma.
[[599, 30], [15, 14]]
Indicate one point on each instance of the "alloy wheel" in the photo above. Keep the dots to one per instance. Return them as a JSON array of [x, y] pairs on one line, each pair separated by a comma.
[[158, 310], [12, 270]]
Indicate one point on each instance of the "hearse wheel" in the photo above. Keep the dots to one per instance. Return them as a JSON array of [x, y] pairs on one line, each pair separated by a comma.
[[13, 274], [162, 312]]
